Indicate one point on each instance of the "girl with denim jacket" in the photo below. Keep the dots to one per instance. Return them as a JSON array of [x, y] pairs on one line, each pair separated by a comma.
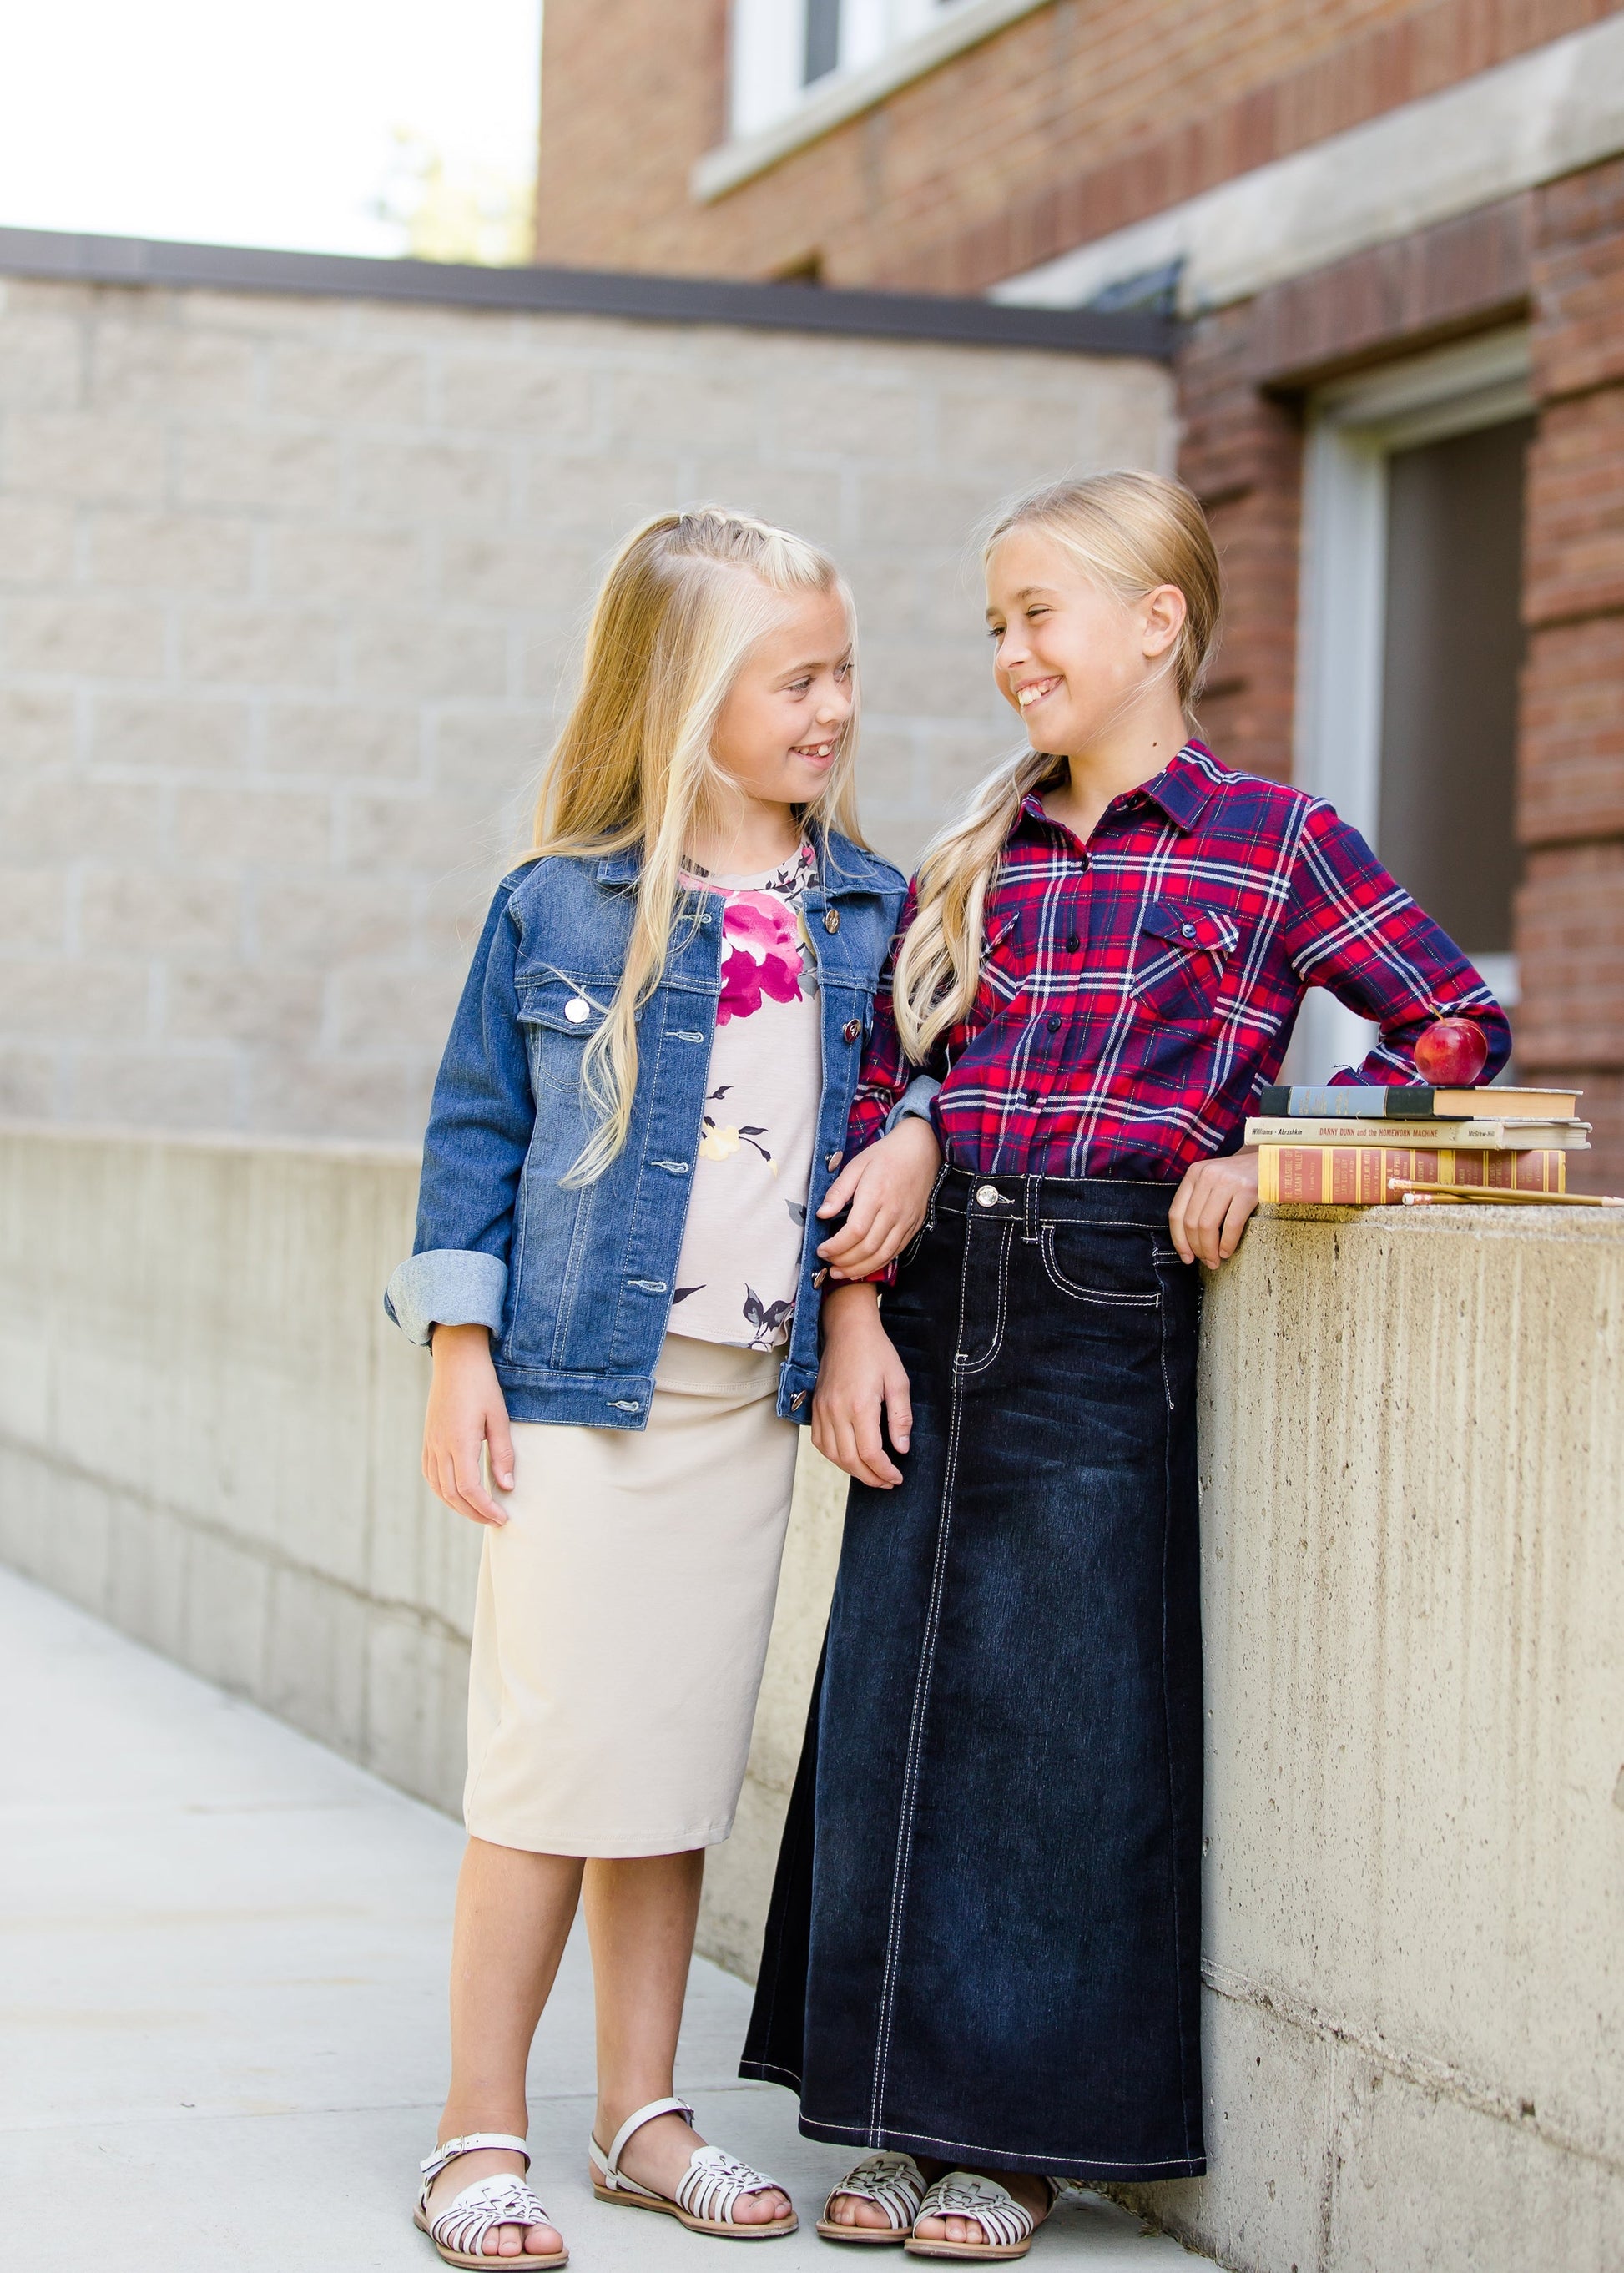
[[982, 1960], [643, 1097]]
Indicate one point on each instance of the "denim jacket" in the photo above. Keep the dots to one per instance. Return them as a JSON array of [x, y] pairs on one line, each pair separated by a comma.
[[575, 1283]]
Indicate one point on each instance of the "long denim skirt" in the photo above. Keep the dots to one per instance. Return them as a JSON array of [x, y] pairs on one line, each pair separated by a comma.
[[984, 1943]]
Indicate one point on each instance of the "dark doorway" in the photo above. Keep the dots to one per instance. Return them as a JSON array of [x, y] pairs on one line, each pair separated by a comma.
[[1453, 648]]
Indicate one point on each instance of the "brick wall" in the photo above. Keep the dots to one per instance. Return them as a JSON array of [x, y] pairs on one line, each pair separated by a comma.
[[1570, 916], [1556, 254], [1074, 121], [288, 588]]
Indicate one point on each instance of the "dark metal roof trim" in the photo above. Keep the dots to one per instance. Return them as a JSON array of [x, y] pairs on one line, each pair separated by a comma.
[[587, 292]]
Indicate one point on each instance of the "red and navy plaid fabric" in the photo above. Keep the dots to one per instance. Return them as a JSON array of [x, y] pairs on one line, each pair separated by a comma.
[[1138, 991]]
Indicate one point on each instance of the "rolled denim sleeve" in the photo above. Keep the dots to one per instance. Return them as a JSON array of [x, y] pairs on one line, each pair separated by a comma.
[[915, 1102], [480, 1124]]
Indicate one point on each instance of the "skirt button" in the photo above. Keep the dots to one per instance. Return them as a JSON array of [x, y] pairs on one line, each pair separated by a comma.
[[987, 1194]]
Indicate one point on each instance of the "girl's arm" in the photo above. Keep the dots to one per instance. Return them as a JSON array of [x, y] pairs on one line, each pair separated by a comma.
[[1351, 928], [860, 1378], [480, 1124], [891, 1161], [452, 1292]]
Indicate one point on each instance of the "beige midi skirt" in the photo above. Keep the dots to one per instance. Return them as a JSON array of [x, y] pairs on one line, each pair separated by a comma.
[[623, 1614]]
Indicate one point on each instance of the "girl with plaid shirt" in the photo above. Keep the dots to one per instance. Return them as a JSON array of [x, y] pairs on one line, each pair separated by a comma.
[[982, 1958]]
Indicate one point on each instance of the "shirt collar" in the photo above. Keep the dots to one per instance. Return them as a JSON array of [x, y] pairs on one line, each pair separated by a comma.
[[1181, 789]]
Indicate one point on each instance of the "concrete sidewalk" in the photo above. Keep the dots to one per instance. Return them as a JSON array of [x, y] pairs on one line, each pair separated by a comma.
[[222, 2038]]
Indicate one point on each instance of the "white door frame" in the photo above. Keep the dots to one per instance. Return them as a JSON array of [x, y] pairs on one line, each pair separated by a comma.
[[1354, 425]]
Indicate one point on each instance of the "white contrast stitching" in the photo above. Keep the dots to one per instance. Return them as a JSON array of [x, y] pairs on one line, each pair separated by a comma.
[[1057, 1277], [910, 1772]]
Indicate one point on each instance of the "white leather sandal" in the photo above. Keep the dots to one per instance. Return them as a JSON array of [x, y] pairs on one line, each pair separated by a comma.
[[459, 2229], [1007, 2224], [712, 2183], [895, 2182]]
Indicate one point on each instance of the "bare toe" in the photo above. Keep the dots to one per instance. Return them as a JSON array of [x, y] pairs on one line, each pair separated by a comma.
[[542, 2241]]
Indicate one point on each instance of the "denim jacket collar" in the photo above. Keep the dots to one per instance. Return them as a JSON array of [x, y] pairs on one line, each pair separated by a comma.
[[855, 871]]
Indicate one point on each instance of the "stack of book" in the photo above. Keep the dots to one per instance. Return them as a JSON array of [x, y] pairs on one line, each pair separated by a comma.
[[1369, 1147]]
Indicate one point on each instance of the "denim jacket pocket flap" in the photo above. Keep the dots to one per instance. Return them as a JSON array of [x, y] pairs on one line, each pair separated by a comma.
[[566, 1005], [1191, 927]]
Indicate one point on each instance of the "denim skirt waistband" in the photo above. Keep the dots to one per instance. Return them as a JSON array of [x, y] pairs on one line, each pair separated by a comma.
[[1033, 1200]]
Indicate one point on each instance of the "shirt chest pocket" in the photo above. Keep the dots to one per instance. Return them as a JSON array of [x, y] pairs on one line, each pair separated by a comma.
[[1179, 964], [559, 1016], [1004, 966]]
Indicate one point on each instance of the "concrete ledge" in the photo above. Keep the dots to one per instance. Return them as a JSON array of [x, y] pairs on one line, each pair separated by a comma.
[[1412, 1442]]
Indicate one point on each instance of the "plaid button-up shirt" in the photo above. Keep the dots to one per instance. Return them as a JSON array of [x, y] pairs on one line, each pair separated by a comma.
[[1136, 991]]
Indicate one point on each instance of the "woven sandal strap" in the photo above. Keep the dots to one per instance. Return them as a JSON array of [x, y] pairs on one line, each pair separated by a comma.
[[633, 2123], [449, 2149], [893, 2182], [465, 2221], [714, 2181], [963, 2193]]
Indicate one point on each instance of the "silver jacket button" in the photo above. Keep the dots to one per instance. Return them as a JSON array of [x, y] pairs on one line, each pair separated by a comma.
[[577, 1012], [852, 1028], [987, 1194], [832, 919], [833, 1162]]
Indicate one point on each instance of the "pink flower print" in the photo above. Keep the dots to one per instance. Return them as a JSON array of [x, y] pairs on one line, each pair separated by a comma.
[[763, 954]]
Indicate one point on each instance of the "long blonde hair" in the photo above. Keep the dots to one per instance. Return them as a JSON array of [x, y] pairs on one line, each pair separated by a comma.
[[686, 599], [1128, 532]]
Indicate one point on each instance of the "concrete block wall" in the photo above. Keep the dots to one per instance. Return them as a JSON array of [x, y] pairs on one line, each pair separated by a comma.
[[210, 1435], [1413, 1433], [289, 592]]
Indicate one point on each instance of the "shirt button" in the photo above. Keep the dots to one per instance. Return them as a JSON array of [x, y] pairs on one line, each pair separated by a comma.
[[1073, 944], [987, 1194], [1053, 1025], [832, 919], [852, 1028], [1189, 930], [1033, 1095], [833, 1162]]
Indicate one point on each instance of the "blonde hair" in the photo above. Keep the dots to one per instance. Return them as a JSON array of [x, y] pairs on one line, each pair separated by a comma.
[[1128, 532], [686, 599]]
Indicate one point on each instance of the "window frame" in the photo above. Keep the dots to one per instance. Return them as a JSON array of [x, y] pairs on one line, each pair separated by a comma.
[[1352, 427], [773, 113]]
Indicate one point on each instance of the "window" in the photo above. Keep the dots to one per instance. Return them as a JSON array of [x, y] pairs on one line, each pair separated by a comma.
[[782, 49], [1409, 644]]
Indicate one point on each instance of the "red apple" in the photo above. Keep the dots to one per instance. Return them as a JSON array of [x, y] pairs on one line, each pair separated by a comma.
[[1451, 1053]]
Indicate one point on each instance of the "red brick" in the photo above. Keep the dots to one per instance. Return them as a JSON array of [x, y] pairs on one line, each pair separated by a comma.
[[972, 170], [1574, 559], [1571, 769], [1570, 949]]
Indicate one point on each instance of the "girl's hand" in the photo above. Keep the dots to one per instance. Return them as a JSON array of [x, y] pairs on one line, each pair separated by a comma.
[[1211, 1206], [466, 1411], [888, 1186], [860, 1375]]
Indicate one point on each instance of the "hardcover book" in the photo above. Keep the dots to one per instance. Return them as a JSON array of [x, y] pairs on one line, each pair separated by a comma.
[[1485, 1135], [1364, 1176], [1416, 1101]]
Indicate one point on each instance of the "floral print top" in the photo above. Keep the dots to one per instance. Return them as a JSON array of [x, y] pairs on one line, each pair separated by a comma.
[[740, 1256]]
